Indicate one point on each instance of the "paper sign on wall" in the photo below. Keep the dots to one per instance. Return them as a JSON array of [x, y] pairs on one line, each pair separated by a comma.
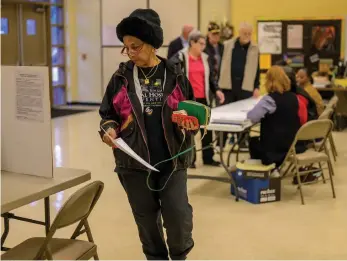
[[270, 37], [29, 96], [295, 33]]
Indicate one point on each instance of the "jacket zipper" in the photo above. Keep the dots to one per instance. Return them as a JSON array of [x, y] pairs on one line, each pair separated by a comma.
[[143, 136]]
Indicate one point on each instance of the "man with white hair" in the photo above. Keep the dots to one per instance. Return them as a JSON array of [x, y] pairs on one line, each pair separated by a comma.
[[239, 72], [180, 42]]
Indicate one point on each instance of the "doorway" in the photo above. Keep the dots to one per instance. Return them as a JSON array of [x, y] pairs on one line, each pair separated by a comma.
[[32, 34]]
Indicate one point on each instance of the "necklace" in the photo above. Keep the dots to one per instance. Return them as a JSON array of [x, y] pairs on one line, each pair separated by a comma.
[[150, 74]]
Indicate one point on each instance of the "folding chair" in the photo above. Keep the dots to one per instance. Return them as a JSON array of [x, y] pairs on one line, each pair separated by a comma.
[[333, 102], [311, 131], [76, 209], [327, 115]]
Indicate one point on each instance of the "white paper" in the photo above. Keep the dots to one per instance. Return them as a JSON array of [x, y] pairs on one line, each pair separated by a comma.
[[270, 37], [120, 144], [29, 96], [233, 113], [295, 33]]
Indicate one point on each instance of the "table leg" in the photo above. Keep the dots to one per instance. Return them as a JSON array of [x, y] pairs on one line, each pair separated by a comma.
[[227, 168], [231, 151], [6, 231], [47, 215], [244, 134]]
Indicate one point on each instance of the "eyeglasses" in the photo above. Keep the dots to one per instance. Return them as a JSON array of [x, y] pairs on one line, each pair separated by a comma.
[[202, 43], [132, 49]]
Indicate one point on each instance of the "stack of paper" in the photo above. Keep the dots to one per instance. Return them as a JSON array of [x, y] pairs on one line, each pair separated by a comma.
[[233, 113]]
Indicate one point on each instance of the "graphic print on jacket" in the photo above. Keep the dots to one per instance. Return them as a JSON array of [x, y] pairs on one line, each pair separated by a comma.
[[152, 99]]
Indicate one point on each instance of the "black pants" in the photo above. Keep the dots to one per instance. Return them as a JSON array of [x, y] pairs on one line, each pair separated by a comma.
[[207, 154], [232, 96], [255, 148], [149, 207], [257, 152]]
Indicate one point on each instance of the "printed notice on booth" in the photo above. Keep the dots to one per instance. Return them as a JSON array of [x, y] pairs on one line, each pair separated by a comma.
[[29, 96]]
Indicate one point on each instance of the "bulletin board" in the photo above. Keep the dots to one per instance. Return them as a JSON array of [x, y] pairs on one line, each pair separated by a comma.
[[303, 42]]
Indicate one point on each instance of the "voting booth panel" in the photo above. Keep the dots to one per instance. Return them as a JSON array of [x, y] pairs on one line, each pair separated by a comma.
[[26, 121]]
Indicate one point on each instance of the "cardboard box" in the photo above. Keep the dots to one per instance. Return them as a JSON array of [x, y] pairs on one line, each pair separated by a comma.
[[256, 185]]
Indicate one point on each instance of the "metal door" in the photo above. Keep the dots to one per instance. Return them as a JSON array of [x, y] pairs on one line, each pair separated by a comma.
[[34, 35], [10, 54]]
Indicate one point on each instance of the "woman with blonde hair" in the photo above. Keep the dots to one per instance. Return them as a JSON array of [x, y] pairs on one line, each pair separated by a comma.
[[278, 114]]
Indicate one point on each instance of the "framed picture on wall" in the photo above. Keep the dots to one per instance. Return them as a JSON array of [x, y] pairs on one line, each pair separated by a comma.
[[324, 38]]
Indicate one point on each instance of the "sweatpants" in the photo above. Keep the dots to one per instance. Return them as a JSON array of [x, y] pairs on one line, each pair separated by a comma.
[[149, 208]]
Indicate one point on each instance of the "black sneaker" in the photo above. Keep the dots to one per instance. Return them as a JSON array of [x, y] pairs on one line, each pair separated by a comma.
[[305, 179], [213, 164]]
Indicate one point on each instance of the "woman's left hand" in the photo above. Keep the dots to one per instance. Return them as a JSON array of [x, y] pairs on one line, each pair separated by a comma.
[[189, 125]]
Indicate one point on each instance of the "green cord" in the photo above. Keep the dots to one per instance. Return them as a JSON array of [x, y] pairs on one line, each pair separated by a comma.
[[174, 157]]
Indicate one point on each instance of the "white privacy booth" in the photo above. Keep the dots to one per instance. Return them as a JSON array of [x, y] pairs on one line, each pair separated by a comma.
[[27, 172], [26, 121]]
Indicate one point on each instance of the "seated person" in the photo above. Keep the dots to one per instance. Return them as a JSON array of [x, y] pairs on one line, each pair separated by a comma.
[[307, 106], [304, 81], [278, 114]]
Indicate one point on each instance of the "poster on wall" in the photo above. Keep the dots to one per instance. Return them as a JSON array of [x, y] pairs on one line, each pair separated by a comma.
[[270, 37], [324, 38], [295, 34]]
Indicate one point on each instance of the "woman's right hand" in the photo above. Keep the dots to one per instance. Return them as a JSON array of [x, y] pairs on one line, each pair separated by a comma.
[[106, 138]]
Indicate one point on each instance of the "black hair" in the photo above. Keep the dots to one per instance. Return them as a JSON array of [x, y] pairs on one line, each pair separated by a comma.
[[308, 74]]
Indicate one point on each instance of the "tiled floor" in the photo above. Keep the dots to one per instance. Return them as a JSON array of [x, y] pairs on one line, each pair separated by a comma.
[[223, 228]]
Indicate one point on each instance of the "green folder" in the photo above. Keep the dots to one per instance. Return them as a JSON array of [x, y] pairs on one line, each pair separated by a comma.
[[197, 110]]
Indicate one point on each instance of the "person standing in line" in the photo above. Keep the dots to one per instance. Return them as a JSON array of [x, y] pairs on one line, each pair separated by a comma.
[[180, 42], [214, 49], [239, 76], [196, 67], [137, 107]]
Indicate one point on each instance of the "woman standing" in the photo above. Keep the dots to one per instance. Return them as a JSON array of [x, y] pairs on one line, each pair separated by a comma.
[[196, 66], [137, 106]]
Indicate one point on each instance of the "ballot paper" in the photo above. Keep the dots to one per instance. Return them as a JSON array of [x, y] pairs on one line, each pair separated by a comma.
[[233, 113], [120, 144]]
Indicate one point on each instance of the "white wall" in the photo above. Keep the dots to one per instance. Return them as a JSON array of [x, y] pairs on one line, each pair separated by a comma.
[[90, 21], [88, 43], [112, 11], [213, 10]]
